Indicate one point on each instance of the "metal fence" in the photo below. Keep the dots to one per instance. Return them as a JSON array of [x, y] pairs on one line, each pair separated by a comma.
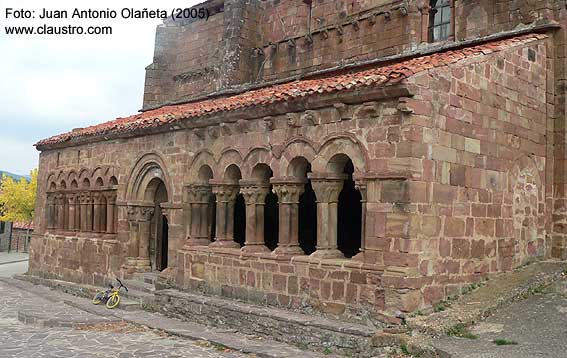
[[15, 240]]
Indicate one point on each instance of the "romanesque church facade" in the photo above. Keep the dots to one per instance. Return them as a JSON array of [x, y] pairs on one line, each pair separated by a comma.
[[354, 158]]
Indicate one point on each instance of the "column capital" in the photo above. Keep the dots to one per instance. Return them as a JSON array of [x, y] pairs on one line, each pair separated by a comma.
[[225, 192], [71, 197], [140, 212], [327, 186], [198, 193], [85, 197], [288, 189], [254, 193], [110, 197]]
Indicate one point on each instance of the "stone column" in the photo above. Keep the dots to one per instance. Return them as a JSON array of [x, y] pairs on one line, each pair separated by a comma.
[[139, 219], [110, 208], [60, 200], [327, 187], [85, 200], [361, 186], [97, 214], [71, 225], [197, 216], [226, 198], [255, 198], [51, 222], [288, 191]]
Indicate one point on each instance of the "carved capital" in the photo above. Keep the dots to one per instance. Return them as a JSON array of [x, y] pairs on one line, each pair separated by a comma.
[[254, 193], [288, 190], [327, 186], [225, 192], [140, 213], [110, 197], [85, 197], [198, 193]]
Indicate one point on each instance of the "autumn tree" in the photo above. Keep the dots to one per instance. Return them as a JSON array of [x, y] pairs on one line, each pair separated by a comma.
[[17, 198]]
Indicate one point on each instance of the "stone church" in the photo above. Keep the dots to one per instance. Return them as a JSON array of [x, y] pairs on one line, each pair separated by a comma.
[[353, 158]]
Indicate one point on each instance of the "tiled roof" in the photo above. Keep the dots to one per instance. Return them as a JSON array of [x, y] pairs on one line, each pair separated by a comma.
[[377, 76], [22, 225]]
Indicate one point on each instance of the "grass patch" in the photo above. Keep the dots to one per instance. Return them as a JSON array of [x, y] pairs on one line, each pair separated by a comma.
[[459, 330], [537, 290], [504, 342], [327, 351], [440, 307]]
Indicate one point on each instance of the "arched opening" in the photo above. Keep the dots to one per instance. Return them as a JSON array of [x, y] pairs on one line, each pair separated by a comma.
[[262, 174], [98, 182], [204, 175], [299, 167], [74, 184], [349, 212], [86, 183], [158, 246], [232, 175], [240, 220], [113, 180]]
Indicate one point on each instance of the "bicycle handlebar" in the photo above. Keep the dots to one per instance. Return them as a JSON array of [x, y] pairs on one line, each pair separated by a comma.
[[121, 284]]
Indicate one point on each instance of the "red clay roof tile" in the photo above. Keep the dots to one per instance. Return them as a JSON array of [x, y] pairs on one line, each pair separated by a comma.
[[377, 76]]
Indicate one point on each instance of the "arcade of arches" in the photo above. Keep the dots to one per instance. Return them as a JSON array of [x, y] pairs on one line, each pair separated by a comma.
[[359, 202]]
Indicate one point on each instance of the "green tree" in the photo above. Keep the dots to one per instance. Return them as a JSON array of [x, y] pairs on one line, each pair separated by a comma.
[[17, 198]]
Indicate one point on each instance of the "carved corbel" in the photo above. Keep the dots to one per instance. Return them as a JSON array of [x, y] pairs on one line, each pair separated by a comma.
[[213, 132], [225, 129], [293, 120], [267, 123], [199, 133], [242, 126], [343, 111], [311, 118]]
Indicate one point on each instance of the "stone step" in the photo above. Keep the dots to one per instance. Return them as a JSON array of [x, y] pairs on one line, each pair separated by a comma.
[[299, 329], [139, 286], [146, 277]]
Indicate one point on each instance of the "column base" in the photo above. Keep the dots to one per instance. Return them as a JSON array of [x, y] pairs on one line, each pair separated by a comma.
[[327, 254], [230, 244], [196, 242], [254, 248], [288, 251]]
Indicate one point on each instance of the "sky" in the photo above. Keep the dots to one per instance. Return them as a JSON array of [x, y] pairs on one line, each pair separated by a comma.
[[50, 84]]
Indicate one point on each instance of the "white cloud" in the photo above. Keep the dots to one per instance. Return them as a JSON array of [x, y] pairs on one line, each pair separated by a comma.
[[51, 84]]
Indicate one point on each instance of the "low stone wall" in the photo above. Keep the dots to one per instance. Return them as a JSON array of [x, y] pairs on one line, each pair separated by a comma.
[[305, 331], [77, 259], [344, 289]]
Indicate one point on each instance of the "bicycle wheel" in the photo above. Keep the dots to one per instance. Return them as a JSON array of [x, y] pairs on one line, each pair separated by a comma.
[[113, 301], [97, 299]]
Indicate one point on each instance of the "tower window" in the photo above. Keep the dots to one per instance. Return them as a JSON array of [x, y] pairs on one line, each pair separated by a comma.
[[440, 20]]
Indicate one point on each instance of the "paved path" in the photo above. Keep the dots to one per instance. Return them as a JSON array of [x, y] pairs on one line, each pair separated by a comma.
[[537, 324], [9, 257], [17, 268], [102, 339]]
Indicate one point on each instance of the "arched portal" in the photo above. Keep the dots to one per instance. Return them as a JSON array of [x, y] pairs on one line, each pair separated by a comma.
[[156, 192]]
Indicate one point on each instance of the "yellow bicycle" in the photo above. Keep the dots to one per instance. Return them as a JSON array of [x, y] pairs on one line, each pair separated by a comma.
[[110, 297]]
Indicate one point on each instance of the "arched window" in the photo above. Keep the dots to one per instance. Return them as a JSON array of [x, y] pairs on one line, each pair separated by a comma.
[[440, 19]]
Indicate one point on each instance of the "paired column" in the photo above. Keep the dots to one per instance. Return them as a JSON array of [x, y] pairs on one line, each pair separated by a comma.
[[255, 199], [226, 198], [139, 219], [60, 201], [110, 212], [197, 215], [288, 191], [327, 187], [51, 220], [362, 187], [71, 223]]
